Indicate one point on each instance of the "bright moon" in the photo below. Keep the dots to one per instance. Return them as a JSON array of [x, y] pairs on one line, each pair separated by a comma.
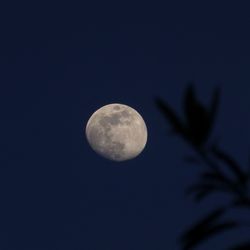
[[117, 132]]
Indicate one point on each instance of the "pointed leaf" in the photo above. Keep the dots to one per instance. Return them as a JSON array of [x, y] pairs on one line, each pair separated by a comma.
[[170, 115], [201, 191], [242, 203], [197, 118], [231, 163], [199, 196], [209, 219], [241, 246], [201, 236], [212, 176], [206, 228], [192, 107]]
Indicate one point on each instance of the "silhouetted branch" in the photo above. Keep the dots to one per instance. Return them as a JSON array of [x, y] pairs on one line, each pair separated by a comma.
[[195, 130], [204, 229], [231, 163], [241, 246]]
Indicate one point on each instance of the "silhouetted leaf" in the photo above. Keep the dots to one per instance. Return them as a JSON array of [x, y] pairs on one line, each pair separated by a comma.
[[230, 162], [197, 118], [241, 246], [242, 203], [200, 195], [212, 176], [204, 235], [203, 188], [216, 178], [171, 116], [208, 220], [205, 229]]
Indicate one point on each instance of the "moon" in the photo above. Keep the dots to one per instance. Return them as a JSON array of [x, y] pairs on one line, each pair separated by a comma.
[[117, 132]]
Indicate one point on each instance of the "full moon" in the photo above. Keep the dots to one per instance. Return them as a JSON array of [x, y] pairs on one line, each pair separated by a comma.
[[117, 132]]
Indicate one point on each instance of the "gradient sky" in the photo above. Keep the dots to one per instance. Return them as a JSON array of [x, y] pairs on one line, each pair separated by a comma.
[[58, 64]]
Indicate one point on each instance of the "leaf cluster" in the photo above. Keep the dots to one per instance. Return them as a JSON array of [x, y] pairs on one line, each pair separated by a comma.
[[222, 173]]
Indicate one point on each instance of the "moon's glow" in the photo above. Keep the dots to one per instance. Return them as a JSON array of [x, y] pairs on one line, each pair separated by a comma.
[[117, 132]]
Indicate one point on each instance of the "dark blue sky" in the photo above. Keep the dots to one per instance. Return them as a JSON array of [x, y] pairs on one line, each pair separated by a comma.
[[58, 64]]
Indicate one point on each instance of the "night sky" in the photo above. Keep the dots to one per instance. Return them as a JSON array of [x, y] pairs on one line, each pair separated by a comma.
[[60, 63]]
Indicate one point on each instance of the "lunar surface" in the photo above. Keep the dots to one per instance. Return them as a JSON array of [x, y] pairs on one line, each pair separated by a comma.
[[117, 132]]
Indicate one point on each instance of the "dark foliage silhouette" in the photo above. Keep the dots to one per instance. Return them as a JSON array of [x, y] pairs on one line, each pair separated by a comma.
[[207, 227], [242, 246], [222, 173]]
